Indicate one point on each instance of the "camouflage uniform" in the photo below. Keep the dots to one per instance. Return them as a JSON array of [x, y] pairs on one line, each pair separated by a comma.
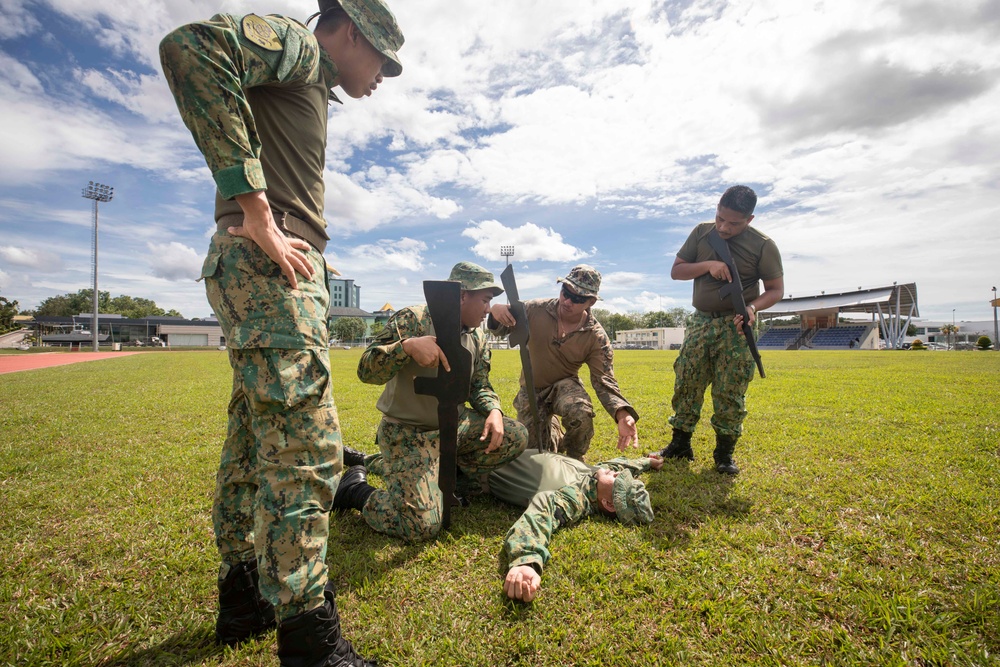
[[558, 491], [715, 351], [555, 365], [410, 505], [242, 83]]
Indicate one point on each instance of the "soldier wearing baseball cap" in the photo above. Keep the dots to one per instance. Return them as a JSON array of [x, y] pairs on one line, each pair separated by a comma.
[[564, 336], [267, 156]]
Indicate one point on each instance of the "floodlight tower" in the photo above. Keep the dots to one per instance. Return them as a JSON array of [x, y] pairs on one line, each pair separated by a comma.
[[507, 251], [99, 193], [996, 329]]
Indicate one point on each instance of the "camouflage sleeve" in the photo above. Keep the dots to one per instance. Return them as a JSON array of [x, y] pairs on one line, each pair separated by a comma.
[[209, 66], [482, 397], [635, 466], [385, 356], [527, 541], [602, 376]]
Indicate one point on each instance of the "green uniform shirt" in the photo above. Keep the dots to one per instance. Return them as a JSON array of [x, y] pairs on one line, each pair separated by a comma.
[[385, 362], [259, 113], [557, 490], [756, 257], [554, 358]]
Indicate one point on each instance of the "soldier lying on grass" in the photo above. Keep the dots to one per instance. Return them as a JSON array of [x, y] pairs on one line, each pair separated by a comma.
[[558, 491]]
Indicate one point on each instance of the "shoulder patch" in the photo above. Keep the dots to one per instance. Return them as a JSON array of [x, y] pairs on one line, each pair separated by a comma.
[[260, 32]]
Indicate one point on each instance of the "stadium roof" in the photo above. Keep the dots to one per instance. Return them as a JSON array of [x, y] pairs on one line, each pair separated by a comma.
[[893, 298]]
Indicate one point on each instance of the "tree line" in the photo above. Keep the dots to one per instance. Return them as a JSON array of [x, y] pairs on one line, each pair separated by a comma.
[[615, 322], [82, 302]]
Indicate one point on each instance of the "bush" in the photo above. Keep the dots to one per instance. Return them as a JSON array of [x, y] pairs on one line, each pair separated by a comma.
[[917, 344], [984, 343]]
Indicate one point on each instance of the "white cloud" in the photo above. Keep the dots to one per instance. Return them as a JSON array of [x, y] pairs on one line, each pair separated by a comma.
[[36, 260], [405, 254], [174, 261], [530, 242]]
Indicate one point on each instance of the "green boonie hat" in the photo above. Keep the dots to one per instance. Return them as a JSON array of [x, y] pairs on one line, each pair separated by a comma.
[[377, 24], [632, 505], [474, 277], [586, 280]]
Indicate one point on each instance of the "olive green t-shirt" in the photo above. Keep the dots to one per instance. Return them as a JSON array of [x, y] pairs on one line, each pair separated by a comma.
[[756, 256]]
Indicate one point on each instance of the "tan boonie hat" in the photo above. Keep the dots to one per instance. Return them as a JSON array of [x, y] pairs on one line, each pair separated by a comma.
[[474, 277], [378, 25], [586, 280], [631, 498]]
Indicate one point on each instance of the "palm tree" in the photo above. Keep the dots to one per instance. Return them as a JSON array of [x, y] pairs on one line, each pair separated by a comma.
[[949, 329]]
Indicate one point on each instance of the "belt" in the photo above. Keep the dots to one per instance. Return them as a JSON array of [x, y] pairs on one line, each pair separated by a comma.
[[286, 223], [716, 313]]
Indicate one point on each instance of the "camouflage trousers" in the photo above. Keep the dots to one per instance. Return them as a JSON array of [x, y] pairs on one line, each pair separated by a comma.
[[714, 352], [567, 399], [410, 505], [282, 457]]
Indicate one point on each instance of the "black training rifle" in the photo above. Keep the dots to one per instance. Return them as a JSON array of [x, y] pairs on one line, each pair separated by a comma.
[[451, 388], [734, 292], [518, 336]]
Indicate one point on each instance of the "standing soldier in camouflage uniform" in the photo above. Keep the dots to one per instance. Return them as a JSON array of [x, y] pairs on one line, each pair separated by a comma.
[[254, 92], [563, 336], [559, 491], [408, 437], [715, 351]]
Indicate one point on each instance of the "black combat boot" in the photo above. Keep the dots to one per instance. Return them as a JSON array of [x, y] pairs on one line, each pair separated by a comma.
[[723, 454], [243, 613], [353, 491], [313, 639], [353, 457], [679, 447]]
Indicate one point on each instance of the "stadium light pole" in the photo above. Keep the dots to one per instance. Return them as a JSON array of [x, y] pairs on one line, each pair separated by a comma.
[[507, 251], [98, 192], [996, 329]]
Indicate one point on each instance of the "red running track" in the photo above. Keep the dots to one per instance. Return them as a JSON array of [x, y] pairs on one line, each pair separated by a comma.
[[11, 363]]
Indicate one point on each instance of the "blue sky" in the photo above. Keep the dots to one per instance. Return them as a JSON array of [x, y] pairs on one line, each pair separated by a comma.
[[579, 131]]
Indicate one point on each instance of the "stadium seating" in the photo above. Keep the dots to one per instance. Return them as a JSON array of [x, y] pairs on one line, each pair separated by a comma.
[[839, 337], [778, 338]]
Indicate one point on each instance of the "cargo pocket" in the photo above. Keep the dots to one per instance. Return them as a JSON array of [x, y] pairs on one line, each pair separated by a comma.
[[211, 266]]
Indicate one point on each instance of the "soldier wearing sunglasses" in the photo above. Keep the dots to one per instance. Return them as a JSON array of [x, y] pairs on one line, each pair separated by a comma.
[[564, 336]]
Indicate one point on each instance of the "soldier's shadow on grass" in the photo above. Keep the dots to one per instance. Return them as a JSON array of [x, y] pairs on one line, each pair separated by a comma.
[[356, 553], [191, 646], [684, 496]]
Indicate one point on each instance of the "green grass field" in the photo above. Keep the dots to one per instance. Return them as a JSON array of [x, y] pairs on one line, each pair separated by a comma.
[[864, 529]]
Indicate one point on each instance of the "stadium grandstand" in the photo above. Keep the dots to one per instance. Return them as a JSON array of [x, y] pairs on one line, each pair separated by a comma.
[[891, 309]]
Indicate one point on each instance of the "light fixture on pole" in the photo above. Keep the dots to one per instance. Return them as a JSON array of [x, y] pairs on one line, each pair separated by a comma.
[[507, 251], [996, 329], [99, 193]]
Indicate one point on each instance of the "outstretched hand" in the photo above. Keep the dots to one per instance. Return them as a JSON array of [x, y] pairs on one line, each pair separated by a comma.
[[628, 433]]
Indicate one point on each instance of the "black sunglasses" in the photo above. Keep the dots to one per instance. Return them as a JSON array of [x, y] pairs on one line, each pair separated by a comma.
[[572, 296]]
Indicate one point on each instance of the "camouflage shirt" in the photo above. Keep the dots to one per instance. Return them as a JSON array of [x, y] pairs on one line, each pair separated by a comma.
[[554, 358], [243, 83], [385, 362], [551, 509]]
